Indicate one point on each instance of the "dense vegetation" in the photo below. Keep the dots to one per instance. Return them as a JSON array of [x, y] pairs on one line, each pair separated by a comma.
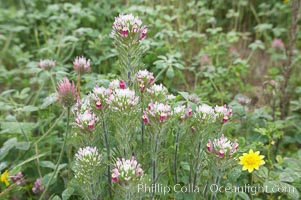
[[243, 56]]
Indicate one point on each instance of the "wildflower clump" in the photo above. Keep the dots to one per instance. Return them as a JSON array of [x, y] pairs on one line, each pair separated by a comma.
[[81, 65], [182, 112], [87, 163], [99, 97], [145, 79], [158, 92], [122, 100], [129, 27], [252, 160], [158, 112], [126, 171], [38, 187], [222, 147], [205, 112], [47, 64], [18, 178], [67, 93], [223, 113], [85, 118]]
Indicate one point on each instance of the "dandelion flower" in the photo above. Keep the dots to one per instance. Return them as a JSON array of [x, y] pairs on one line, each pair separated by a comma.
[[4, 178], [252, 160]]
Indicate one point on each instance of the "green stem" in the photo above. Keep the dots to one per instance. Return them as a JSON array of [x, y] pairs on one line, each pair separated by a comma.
[[52, 81], [197, 162], [78, 83], [60, 156], [105, 132], [176, 155], [216, 183], [154, 160], [38, 161], [142, 123]]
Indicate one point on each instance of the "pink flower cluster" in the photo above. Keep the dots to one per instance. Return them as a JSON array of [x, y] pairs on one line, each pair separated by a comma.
[[81, 65], [117, 84], [157, 92], [38, 187], [99, 96], [122, 99], [277, 44], [47, 64], [145, 79], [205, 60], [88, 156], [222, 147], [129, 26], [87, 160], [206, 112], [243, 100], [85, 118], [182, 112], [67, 93], [18, 178], [116, 97], [126, 171], [158, 111], [223, 113]]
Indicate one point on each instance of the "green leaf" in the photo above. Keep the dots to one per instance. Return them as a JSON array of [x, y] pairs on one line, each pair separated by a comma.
[[29, 109], [48, 164], [47, 177], [270, 185], [185, 166], [170, 72], [30, 159], [23, 145], [17, 127], [263, 173], [7, 146], [67, 193], [56, 198], [52, 98], [286, 177], [243, 195], [235, 173]]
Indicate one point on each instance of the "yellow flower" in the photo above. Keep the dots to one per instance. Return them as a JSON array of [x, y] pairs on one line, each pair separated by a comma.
[[4, 179], [251, 160], [286, 1]]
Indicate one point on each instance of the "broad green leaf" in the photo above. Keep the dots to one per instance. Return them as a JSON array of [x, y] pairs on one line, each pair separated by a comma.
[[67, 193], [56, 198], [23, 145], [48, 164], [17, 127], [286, 177], [243, 195], [7, 146], [29, 109], [52, 98], [185, 166]]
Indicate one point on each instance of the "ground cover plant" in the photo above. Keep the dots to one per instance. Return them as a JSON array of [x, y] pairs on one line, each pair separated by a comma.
[[150, 100]]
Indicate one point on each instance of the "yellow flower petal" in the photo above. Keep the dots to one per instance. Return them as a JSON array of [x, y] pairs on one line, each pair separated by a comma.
[[251, 161], [4, 178]]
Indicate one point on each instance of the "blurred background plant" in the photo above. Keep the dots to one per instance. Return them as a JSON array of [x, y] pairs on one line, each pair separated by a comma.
[[218, 50]]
